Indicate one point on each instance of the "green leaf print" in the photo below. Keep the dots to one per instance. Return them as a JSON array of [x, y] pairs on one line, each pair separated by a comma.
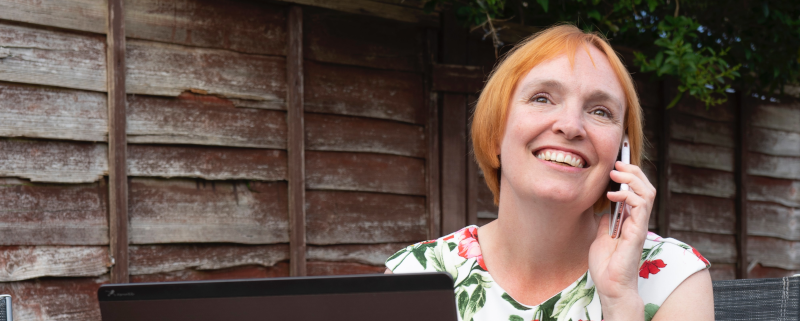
[[394, 256], [514, 303], [515, 317], [451, 246], [545, 310], [573, 297], [476, 302], [649, 311], [419, 253], [463, 298]]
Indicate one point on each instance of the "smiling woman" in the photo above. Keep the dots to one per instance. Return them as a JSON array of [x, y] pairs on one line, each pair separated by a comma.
[[547, 132]]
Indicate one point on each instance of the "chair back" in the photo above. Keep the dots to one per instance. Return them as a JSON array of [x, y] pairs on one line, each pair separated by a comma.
[[757, 299]]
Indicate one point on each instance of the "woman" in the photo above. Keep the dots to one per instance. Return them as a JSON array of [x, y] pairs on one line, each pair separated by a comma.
[[546, 132]]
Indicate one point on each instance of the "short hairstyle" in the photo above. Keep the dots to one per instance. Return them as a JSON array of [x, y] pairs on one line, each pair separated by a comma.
[[491, 111]]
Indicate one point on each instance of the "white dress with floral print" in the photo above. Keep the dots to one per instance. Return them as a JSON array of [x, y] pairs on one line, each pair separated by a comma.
[[665, 263]]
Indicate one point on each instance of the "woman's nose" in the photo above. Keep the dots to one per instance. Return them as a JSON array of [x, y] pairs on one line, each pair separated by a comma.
[[569, 123]]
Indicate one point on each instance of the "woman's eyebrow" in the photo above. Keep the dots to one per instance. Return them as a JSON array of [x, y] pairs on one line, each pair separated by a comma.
[[549, 83], [599, 95]]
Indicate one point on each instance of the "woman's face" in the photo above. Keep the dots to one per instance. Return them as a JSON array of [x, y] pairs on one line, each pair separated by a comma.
[[563, 132]]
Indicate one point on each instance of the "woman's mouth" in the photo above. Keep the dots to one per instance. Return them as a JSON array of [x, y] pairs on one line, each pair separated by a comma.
[[561, 157]]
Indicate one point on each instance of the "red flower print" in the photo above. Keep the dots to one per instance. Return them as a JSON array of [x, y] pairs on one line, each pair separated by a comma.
[[468, 246], [651, 267], [427, 242], [448, 237], [700, 256]]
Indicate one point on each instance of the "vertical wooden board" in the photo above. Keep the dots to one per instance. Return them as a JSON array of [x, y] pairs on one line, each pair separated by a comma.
[[688, 180], [63, 299], [768, 219], [702, 214], [773, 252], [180, 211], [203, 120], [53, 58], [454, 165], [698, 130], [355, 91], [701, 155], [486, 207], [42, 214], [761, 272], [353, 217], [782, 191], [365, 172], [206, 162], [295, 74], [372, 254], [774, 166], [44, 112], [717, 248], [774, 142], [53, 161], [341, 38], [280, 269], [28, 262], [83, 15], [342, 268], [153, 259], [720, 271], [356, 134], [248, 27], [168, 70], [777, 116]]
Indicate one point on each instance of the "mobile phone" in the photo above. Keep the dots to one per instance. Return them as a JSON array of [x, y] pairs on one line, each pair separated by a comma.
[[5, 308], [615, 223]]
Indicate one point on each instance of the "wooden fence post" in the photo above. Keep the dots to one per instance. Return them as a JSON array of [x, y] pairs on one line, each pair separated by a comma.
[[295, 143], [740, 176], [663, 162]]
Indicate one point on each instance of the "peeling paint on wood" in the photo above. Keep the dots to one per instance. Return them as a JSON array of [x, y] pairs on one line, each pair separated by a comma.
[[698, 130], [774, 142], [347, 90], [717, 248], [701, 155], [53, 161], [774, 166], [247, 27], [184, 211], [784, 117], [773, 252], [203, 120], [768, 219], [339, 268], [280, 269], [365, 172], [152, 259], [83, 15], [41, 214], [53, 58], [702, 214], [356, 134], [27, 262], [44, 112], [688, 180], [63, 299], [214, 163], [781, 191], [355, 217], [169, 70], [373, 254]]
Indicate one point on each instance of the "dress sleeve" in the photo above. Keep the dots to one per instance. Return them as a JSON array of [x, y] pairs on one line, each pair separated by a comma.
[[408, 259]]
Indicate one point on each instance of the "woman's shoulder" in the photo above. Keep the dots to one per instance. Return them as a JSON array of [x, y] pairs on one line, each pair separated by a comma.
[[665, 263], [444, 254]]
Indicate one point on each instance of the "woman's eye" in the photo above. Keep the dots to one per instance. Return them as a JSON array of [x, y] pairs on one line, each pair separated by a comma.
[[543, 100], [600, 112]]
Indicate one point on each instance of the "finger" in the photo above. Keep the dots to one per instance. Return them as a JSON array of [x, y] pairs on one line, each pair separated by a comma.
[[633, 169], [642, 188], [639, 210]]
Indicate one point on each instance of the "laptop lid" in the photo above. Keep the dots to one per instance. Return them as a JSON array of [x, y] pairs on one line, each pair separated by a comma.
[[401, 297]]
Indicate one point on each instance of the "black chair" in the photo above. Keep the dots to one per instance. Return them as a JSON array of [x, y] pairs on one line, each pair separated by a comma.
[[757, 299]]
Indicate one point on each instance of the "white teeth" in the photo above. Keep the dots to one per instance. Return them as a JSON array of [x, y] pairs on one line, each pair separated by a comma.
[[560, 158], [568, 160], [547, 155], [571, 160]]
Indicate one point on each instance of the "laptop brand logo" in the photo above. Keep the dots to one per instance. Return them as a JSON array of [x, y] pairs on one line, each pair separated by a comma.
[[113, 293]]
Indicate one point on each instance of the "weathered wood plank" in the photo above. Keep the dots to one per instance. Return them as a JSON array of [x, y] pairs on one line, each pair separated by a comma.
[[54, 58], [768, 219], [774, 142], [152, 259], [249, 27], [721, 271], [701, 155], [83, 15], [702, 214], [373, 254], [63, 299], [280, 269], [168, 70], [784, 117], [337, 37], [40, 214], [773, 252], [356, 134], [53, 161], [486, 207], [781, 191], [206, 162], [717, 248], [723, 113], [172, 211], [698, 130], [354, 217], [774, 166], [203, 120], [339, 268], [28, 262], [296, 149], [365, 172], [377, 9], [688, 180], [458, 78], [454, 162], [761, 272], [45, 112], [354, 91]]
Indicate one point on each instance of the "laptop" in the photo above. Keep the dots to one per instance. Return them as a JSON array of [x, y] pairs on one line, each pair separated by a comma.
[[400, 297]]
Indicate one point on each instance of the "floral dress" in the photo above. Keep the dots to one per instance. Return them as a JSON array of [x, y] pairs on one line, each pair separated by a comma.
[[665, 263]]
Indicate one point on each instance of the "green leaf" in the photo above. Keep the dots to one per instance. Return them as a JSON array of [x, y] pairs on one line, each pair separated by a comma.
[[594, 14], [650, 311], [476, 302], [419, 253], [394, 256], [463, 299], [546, 309], [544, 4], [514, 303], [451, 246], [515, 317], [575, 295], [652, 4]]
